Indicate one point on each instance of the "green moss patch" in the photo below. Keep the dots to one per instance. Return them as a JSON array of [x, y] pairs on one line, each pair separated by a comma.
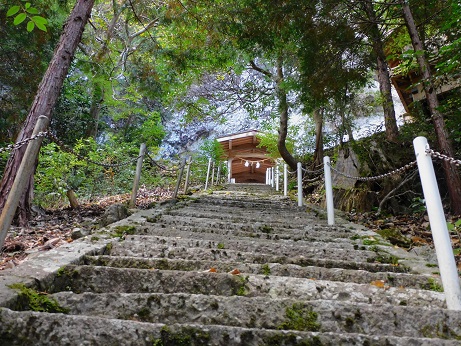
[[300, 317], [120, 231], [30, 299], [186, 337], [395, 237]]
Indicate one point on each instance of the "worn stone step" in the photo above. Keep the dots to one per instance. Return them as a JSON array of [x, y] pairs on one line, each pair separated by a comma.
[[312, 230], [175, 228], [214, 241], [252, 211], [274, 219], [151, 246], [377, 273], [225, 203], [28, 328], [319, 315], [104, 279]]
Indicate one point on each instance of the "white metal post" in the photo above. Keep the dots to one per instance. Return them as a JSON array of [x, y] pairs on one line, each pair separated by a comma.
[[285, 179], [218, 173], [212, 173], [329, 190], [440, 235], [229, 169], [208, 173], [277, 173], [300, 184], [273, 176]]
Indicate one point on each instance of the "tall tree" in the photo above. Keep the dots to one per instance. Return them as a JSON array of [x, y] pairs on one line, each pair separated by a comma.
[[453, 179], [45, 99], [384, 79]]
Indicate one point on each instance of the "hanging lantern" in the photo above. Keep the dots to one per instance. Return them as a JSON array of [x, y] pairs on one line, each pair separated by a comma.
[[247, 163], [258, 164]]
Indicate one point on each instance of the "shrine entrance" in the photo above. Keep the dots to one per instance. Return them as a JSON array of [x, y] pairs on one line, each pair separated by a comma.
[[246, 162]]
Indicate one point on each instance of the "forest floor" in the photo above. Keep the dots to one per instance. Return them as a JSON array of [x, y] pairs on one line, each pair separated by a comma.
[[51, 228]]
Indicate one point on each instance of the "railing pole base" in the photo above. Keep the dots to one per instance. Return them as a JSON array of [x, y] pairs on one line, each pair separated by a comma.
[[440, 235]]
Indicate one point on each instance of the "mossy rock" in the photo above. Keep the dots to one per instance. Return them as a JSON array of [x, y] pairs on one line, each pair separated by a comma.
[[394, 236], [30, 299]]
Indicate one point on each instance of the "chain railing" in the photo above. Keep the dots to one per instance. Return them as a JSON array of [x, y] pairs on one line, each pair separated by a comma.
[[376, 177], [440, 156], [163, 168], [18, 145]]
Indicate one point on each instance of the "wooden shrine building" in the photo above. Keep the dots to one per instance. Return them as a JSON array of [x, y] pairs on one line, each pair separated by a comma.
[[246, 162]]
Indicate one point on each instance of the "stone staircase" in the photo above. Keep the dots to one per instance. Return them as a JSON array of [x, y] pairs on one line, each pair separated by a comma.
[[241, 266]]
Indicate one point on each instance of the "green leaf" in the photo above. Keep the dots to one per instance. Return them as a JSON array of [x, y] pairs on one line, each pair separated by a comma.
[[27, 5], [30, 26], [19, 18], [32, 10], [12, 11], [39, 20], [41, 26]]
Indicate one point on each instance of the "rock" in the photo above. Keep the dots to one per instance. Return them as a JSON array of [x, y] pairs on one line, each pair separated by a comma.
[[113, 213], [79, 233]]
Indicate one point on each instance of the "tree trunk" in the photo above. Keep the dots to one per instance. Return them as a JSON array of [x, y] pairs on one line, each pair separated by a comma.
[[46, 97], [96, 101], [72, 199], [318, 152], [283, 107], [384, 79], [444, 144]]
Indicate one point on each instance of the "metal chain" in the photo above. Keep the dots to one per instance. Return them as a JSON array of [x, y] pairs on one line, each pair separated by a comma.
[[159, 165], [440, 156], [64, 148], [18, 145], [377, 177]]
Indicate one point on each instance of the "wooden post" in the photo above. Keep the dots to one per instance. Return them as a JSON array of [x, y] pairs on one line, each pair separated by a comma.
[[25, 170], [137, 177], [186, 184], [181, 172]]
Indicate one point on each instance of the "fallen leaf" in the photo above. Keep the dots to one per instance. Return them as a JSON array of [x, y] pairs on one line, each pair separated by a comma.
[[235, 272], [378, 283]]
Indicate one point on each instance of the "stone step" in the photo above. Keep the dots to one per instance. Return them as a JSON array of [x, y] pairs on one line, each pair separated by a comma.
[[287, 206], [319, 315], [312, 230], [274, 219], [221, 233], [255, 210], [42, 329], [81, 279], [145, 246], [214, 241], [377, 273]]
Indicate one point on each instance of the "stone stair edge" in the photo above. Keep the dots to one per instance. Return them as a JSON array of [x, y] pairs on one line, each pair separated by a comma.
[[127, 333]]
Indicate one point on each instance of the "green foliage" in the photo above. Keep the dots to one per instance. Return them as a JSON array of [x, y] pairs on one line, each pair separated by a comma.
[[24, 11]]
